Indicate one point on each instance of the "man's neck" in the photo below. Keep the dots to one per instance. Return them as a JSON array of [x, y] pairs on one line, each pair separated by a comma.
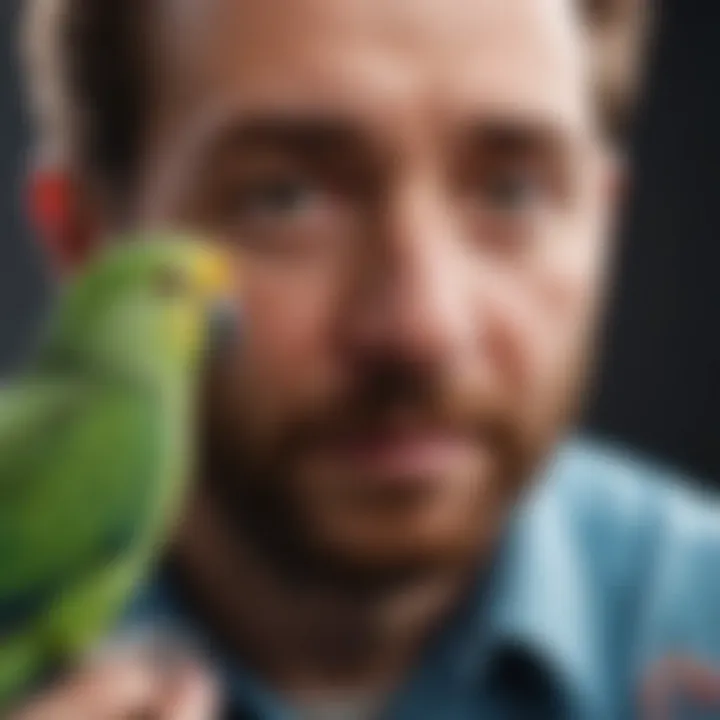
[[306, 640]]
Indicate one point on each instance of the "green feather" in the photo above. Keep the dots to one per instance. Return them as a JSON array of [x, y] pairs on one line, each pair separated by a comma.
[[94, 454]]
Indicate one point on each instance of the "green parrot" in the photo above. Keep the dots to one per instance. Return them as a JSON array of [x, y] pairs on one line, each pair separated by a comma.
[[96, 446]]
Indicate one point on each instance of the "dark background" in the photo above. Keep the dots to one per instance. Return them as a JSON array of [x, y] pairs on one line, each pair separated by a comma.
[[659, 389]]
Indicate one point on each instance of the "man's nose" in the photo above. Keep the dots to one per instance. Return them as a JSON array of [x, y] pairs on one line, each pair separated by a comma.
[[417, 299]]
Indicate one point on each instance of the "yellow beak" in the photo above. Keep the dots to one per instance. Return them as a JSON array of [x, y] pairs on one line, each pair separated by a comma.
[[213, 272]]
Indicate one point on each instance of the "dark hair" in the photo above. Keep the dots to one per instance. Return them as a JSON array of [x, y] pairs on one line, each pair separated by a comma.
[[90, 75]]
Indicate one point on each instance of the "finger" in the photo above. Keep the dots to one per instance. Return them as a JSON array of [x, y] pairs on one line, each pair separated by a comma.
[[656, 692], [112, 691], [193, 696], [677, 677]]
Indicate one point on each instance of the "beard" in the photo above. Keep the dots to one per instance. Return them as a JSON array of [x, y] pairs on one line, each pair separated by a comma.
[[323, 522]]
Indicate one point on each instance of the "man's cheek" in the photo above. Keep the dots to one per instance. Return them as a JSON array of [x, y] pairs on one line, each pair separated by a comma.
[[550, 356], [267, 398], [291, 308], [564, 303], [287, 353]]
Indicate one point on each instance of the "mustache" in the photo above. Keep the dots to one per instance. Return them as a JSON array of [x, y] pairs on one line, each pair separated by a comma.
[[402, 397]]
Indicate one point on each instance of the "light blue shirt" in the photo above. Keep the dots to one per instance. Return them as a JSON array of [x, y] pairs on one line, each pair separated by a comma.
[[610, 565]]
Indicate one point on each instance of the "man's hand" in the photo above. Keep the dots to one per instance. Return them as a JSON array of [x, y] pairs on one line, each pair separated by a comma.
[[128, 689]]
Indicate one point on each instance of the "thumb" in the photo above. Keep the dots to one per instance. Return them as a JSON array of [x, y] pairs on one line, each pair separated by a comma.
[[193, 695]]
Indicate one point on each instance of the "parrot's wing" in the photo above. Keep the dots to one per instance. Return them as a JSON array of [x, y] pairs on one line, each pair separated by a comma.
[[78, 468]]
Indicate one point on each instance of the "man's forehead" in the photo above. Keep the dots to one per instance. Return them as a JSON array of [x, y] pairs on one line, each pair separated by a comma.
[[375, 59], [393, 15]]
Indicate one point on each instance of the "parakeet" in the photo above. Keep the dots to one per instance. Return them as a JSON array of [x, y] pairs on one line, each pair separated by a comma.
[[96, 446]]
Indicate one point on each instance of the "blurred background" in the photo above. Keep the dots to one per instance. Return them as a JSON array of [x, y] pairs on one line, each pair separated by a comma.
[[659, 386]]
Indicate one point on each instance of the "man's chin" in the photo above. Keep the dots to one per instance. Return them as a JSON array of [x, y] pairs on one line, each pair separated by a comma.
[[372, 569], [370, 553]]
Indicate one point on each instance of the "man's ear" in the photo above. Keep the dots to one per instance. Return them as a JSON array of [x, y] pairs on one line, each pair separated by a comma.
[[615, 173], [616, 189], [620, 183], [62, 217]]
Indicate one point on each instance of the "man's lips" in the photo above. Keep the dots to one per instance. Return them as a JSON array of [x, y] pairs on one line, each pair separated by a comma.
[[405, 455]]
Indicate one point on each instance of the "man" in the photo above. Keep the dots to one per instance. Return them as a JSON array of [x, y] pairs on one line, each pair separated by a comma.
[[388, 520]]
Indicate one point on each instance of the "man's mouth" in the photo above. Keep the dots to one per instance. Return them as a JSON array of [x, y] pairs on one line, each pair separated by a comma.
[[407, 456]]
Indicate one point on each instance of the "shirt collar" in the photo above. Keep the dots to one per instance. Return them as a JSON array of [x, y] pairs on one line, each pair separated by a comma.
[[540, 598]]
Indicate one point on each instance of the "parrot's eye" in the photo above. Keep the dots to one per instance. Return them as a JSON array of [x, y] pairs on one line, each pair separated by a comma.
[[171, 283]]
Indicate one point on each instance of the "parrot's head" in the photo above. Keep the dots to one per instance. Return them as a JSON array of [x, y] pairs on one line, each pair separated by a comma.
[[150, 305]]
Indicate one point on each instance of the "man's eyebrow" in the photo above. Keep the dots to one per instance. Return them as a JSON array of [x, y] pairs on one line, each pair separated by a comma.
[[301, 134], [513, 137]]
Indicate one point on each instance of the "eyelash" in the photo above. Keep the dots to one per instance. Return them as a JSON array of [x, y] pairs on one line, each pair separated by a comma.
[[504, 180], [259, 195]]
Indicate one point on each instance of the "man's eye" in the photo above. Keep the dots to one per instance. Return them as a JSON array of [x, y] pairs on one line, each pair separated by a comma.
[[275, 198], [283, 214], [512, 193]]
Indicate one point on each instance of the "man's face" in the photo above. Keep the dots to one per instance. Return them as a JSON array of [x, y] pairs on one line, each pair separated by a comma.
[[418, 202]]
